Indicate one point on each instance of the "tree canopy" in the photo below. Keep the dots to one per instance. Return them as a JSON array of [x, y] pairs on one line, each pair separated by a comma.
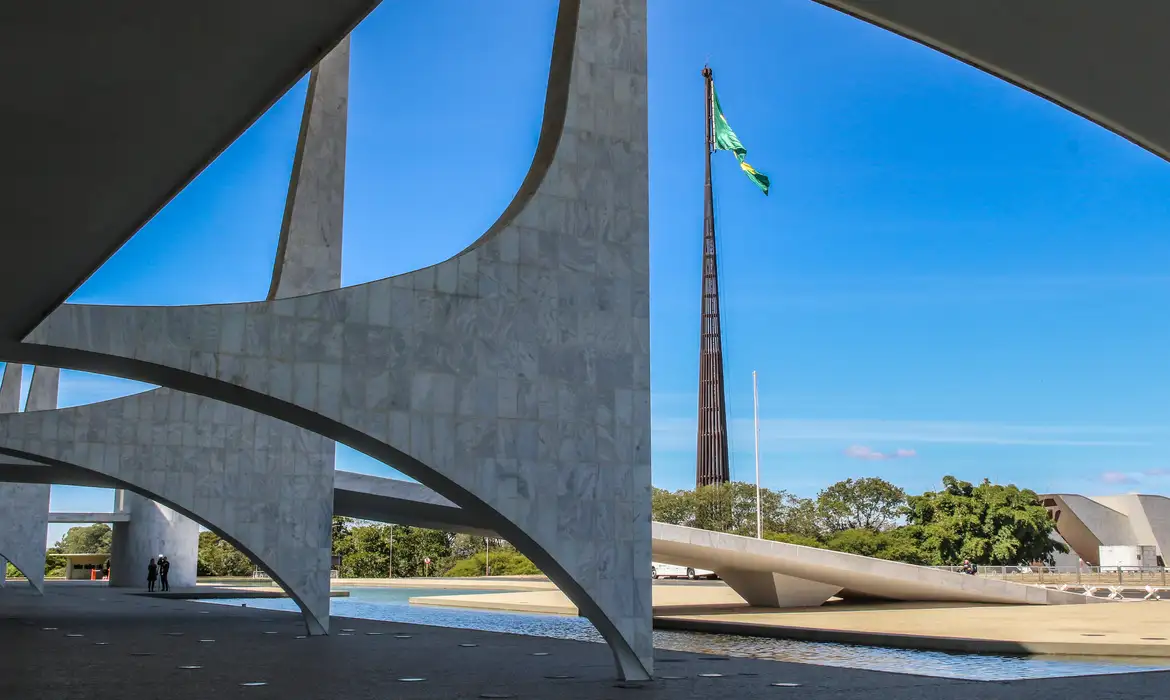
[[217, 557], [85, 539], [505, 562], [988, 524], [861, 504], [367, 550], [731, 507]]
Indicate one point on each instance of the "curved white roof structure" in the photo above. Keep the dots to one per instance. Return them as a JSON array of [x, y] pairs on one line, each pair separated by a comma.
[[1089, 522]]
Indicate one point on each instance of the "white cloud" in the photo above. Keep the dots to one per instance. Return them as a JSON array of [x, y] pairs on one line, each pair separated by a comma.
[[678, 434], [885, 291], [1115, 477], [865, 452]]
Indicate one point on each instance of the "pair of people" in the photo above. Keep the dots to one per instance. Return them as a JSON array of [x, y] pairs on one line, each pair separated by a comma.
[[969, 567], [158, 572]]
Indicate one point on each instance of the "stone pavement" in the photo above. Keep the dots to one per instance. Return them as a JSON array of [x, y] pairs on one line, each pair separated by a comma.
[[87, 641]]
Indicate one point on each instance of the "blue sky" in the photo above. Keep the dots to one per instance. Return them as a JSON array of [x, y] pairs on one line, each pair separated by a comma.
[[951, 276]]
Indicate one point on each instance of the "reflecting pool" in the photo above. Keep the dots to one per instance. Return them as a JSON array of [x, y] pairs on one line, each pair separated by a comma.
[[392, 604]]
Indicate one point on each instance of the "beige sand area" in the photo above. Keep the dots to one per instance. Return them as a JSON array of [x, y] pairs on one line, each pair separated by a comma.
[[676, 598], [1113, 629]]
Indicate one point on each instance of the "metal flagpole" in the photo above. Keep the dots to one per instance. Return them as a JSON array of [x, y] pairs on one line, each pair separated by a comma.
[[711, 463], [759, 510]]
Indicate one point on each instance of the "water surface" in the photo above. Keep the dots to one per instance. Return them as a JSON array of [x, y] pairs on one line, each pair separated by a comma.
[[391, 604]]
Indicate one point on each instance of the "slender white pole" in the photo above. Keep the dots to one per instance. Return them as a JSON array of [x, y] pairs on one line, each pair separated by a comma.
[[759, 509]]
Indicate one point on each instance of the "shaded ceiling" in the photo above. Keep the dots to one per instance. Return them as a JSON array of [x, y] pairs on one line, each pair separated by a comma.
[[110, 108]]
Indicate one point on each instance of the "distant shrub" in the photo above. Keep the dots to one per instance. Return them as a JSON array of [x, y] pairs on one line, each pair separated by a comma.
[[504, 563]]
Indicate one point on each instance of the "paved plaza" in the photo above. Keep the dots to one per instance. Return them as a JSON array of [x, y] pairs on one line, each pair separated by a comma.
[[87, 641]]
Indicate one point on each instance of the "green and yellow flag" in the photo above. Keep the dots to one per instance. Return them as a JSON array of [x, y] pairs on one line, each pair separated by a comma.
[[725, 140]]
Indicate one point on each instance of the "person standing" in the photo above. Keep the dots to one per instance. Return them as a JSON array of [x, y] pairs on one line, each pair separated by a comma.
[[164, 569], [151, 576]]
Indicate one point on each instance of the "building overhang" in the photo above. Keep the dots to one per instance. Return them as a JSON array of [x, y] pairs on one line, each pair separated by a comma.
[[110, 109]]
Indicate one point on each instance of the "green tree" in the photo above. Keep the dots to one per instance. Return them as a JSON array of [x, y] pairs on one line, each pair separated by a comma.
[[800, 519], [87, 539], [54, 565], [988, 524], [464, 546], [412, 547], [504, 563], [367, 550], [899, 544], [860, 504], [217, 557], [340, 530], [674, 507], [731, 507]]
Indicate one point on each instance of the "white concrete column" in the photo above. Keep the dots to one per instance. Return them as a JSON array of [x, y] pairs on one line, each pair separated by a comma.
[[153, 530]]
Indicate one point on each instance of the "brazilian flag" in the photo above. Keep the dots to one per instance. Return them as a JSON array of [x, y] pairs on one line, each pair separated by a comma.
[[725, 140]]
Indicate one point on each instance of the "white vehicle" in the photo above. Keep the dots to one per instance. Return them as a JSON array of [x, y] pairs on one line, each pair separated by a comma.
[[660, 570]]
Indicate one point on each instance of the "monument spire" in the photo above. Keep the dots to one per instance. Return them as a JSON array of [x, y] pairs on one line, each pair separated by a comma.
[[711, 465]]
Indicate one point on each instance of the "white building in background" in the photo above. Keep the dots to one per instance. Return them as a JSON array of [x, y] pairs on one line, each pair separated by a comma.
[[1087, 523]]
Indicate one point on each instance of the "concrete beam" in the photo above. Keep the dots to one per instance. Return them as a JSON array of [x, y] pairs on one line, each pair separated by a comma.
[[80, 518], [399, 502], [167, 87]]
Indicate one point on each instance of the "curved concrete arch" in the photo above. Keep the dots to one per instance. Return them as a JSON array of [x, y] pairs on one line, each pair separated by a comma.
[[24, 508], [308, 260], [261, 484], [23, 542], [1100, 60], [529, 352]]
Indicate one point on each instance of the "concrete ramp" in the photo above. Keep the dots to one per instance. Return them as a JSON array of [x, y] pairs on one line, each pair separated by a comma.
[[749, 564], [400, 502]]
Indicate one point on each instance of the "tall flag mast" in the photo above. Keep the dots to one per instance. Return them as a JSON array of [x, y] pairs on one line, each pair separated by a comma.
[[711, 464]]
